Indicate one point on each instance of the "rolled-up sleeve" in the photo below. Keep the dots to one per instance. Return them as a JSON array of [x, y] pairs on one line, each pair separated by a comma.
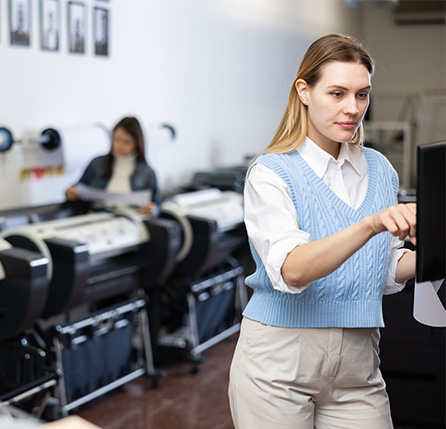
[[396, 252], [272, 223]]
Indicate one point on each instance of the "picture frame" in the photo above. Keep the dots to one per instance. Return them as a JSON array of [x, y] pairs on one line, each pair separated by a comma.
[[20, 22], [77, 25], [49, 25], [101, 20]]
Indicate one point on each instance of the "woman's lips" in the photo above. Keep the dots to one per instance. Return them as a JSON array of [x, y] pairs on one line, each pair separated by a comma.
[[347, 125]]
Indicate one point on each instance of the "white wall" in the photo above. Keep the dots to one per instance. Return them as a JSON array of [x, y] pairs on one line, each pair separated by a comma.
[[410, 58], [410, 79], [218, 71]]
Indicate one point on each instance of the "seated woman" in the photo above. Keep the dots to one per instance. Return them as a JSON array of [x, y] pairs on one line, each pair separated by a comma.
[[124, 168]]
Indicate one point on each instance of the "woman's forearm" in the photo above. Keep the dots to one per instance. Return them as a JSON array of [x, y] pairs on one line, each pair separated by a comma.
[[316, 259]]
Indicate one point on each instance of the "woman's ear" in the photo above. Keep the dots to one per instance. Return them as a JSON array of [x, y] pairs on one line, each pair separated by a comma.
[[302, 90]]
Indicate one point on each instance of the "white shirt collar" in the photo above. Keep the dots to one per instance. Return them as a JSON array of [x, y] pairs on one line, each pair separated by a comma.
[[355, 156], [319, 160]]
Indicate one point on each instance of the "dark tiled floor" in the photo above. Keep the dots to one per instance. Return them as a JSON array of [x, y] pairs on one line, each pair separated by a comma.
[[183, 400]]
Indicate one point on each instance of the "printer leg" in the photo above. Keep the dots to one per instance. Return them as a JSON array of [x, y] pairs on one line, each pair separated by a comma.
[[193, 335], [149, 366], [61, 382]]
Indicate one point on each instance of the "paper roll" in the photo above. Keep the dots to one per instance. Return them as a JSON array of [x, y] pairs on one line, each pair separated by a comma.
[[81, 144]]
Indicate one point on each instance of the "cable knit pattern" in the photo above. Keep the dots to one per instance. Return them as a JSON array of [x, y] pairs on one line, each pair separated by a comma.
[[351, 296]]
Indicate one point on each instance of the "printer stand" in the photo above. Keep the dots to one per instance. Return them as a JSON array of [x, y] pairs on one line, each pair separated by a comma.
[[97, 354], [213, 313]]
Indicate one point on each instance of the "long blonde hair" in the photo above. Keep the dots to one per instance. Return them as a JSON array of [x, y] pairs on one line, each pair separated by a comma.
[[292, 129]]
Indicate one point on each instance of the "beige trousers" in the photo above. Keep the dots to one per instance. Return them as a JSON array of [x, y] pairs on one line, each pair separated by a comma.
[[307, 378]]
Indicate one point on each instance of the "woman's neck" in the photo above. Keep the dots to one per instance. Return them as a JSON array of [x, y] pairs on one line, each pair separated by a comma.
[[124, 158]]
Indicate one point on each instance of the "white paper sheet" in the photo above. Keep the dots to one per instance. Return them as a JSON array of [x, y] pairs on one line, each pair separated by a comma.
[[136, 198], [428, 308], [197, 197]]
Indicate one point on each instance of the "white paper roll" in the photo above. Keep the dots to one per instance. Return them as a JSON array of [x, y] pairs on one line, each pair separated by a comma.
[[81, 144]]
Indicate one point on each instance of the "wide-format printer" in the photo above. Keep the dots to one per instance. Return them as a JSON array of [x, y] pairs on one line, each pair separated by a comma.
[[92, 302], [202, 299], [93, 256]]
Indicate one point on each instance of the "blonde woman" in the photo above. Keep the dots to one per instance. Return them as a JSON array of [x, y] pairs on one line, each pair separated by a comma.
[[326, 237]]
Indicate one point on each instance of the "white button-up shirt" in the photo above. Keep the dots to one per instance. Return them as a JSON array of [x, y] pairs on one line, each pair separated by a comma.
[[271, 219]]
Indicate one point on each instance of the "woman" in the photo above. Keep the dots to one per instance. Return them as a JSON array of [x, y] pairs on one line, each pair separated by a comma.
[[124, 168], [320, 214]]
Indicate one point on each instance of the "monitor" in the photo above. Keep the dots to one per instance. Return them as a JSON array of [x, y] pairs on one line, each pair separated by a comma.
[[431, 213]]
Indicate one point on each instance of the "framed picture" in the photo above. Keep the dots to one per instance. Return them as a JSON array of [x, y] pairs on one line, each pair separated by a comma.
[[49, 25], [77, 17], [101, 31], [20, 22]]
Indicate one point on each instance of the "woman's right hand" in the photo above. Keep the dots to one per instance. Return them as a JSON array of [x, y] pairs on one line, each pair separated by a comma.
[[72, 193], [147, 209], [399, 220], [316, 259]]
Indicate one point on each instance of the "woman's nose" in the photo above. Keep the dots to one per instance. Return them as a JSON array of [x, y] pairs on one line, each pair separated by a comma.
[[351, 106]]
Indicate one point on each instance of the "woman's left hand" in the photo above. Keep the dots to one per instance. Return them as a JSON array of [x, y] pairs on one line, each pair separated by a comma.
[[147, 209]]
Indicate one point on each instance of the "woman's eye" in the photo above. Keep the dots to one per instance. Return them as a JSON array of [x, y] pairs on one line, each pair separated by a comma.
[[363, 95], [336, 93]]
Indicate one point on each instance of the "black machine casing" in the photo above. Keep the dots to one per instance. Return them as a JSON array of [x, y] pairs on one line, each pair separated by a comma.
[[23, 291]]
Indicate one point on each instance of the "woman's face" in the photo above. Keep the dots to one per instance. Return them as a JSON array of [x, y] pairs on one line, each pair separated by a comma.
[[123, 143], [337, 103]]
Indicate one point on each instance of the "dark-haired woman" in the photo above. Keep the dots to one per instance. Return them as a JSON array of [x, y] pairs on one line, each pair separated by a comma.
[[124, 169]]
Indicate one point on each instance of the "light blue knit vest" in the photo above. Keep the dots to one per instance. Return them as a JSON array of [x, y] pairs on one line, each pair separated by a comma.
[[351, 296]]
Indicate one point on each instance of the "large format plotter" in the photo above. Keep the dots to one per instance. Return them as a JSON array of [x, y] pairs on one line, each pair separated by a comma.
[[88, 256], [87, 295], [210, 220], [205, 294], [89, 301]]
